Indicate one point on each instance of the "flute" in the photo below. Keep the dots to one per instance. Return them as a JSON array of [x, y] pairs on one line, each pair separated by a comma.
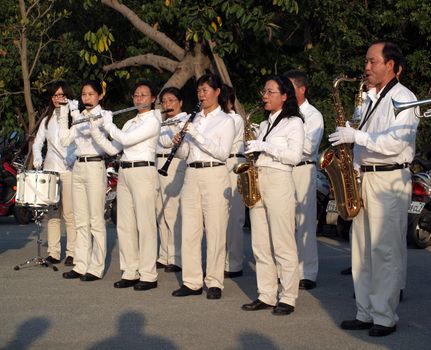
[[95, 117]]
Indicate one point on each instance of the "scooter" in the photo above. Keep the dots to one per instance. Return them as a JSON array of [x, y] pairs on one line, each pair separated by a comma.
[[8, 174], [111, 191]]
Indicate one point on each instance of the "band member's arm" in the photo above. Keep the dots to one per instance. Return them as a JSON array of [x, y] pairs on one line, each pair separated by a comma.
[[66, 135], [148, 129], [219, 149], [109, 147], [38, 144], [313, 134], [291, 153]]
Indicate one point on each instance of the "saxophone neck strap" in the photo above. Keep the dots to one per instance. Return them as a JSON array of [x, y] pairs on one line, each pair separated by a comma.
[[272, 126], [370, 110]]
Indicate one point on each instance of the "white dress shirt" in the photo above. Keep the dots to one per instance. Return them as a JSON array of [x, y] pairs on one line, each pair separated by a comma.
[[238, 141], [57, 158], [388, 139], [214, 139], [164, 144], [286, 143], [80, 133], [313, 127]]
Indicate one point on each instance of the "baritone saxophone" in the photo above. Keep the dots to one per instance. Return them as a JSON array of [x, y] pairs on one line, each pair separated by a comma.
[[338, 161], [248, 185]]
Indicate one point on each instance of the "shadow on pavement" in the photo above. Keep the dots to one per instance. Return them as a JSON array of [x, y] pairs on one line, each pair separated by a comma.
[[28, 333]]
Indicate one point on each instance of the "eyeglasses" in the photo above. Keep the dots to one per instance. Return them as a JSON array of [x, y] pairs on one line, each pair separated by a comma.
[[58, 96], [172, 100], [139, 95], [269, 92]]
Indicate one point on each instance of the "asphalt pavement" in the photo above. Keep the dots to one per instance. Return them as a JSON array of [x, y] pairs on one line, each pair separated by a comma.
[[41, 310]]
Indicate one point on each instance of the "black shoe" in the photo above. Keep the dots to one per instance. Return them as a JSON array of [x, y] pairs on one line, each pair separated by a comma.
[[71, 274], [256, 305], [184, 291], [51, 260], [214, 293], [356, 325], [172, 268], [160, 265], [69, 261], [143, 285], [233, 274], [381, 331], [88, 277], [307, 284], [283, 309], [347, 271], [125, 283]]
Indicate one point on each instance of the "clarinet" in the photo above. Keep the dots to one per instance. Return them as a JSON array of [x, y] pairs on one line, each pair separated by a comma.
[[164, 169]]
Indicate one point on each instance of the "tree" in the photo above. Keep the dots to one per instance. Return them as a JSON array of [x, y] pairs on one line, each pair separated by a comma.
[[26, 35]]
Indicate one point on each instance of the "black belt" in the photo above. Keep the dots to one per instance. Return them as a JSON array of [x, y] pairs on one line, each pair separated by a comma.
[[236, 155], [387, 167], [136, 164], [90, 159], [305, 162], [204, 164], [161, 155]]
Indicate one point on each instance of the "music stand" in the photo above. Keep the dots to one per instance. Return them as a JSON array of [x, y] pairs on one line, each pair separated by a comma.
[[38, 259]]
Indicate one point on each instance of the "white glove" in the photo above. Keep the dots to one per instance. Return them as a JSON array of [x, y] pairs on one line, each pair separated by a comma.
[[348, 135], [256, 146], [73, 105], [37, 162]]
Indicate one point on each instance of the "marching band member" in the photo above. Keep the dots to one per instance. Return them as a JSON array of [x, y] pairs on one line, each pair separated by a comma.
[[206, 191], [168, 204], [305, 181], [384, 147], [58, 159], [235, 233], [89, 184], [137, 189], [280, 146]]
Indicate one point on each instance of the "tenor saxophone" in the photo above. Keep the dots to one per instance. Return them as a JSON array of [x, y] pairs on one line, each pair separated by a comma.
[[248, 185], [338, 163]]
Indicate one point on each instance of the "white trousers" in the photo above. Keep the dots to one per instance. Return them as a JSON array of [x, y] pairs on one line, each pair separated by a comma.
[[235, 233], [273, 237], [168, 212], [304, 179], [89, 189], [378, 245], [137, 192], [54, 221], [204, 199]]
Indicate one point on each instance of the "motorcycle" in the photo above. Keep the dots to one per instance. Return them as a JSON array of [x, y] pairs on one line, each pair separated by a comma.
[[111, 191], [419, 214], [8, 172]]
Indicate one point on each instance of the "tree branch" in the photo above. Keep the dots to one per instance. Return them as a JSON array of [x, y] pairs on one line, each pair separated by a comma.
[[149, 59], [155, 35]]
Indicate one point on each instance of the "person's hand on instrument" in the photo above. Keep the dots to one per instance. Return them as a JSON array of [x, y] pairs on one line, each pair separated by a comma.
[[37, 163]]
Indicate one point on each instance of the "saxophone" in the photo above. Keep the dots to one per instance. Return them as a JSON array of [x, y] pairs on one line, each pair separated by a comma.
[[338, 163], [248, 185]]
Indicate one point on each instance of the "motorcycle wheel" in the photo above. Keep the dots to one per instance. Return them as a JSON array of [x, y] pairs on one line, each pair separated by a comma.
[[416, 234], [114, 212], [23, 215]]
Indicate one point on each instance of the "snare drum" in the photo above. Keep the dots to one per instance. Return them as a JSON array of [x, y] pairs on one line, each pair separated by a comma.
[[37, 188]]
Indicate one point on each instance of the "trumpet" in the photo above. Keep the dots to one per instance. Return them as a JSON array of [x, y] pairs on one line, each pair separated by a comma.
[[401, 106], [124, 110]]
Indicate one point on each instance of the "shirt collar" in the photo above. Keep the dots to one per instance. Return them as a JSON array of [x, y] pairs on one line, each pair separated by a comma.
[[213, 112], [274, 116]]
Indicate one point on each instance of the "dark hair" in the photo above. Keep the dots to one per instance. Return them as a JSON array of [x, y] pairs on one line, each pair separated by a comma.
[[95, 85], [227, 96], [150, 86], [290, 106], [173, 91], [211, 79], [299, 77], [392, 52], [52, 90]]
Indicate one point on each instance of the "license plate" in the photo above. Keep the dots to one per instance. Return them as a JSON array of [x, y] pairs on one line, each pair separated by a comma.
[[416, 207], [332, 207]]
